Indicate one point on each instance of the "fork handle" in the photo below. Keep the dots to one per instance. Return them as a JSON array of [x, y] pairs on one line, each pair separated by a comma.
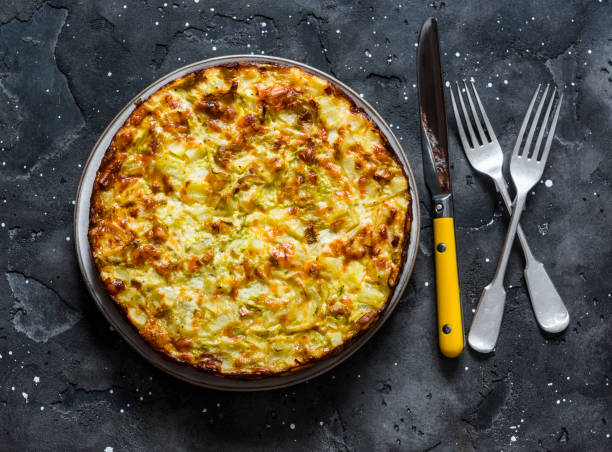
[[490, 310], [450, 325], [548, 307]]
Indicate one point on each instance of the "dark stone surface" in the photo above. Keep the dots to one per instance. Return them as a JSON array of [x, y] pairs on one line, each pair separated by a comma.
[[67, 381]]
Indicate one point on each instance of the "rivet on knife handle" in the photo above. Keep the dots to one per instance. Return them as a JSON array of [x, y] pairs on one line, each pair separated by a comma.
[[450, 325]]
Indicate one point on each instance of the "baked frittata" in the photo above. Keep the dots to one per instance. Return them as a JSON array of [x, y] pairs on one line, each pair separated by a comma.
[[249, 219]]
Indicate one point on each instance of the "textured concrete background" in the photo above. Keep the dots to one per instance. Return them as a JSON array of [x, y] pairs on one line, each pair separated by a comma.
[[67, 381]]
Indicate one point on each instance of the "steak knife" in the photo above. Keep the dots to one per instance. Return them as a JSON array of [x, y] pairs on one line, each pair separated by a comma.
[[434, 144]]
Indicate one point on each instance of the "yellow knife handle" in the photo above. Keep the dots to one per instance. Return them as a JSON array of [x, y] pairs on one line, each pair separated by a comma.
[[450, 325]]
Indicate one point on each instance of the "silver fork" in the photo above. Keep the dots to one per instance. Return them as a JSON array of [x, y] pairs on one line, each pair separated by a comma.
[[487, 158], [526, 168]]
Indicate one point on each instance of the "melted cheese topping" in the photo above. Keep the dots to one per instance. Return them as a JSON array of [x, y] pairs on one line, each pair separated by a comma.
[[249, 219]]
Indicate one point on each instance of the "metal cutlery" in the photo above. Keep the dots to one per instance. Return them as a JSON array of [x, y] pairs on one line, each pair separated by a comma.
[[526, 168], [486, 156], [434, 144]]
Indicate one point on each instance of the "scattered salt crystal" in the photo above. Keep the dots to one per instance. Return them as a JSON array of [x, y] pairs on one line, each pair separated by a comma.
[[25, 396], [548, 183], [36, 380], [109, 73], [108, 449], [292, 426], [447, 84], [505, 82], [426, 283], [513, 438], [457, 54]]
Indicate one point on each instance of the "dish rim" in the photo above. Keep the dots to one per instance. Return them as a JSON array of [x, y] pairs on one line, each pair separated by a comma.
[[116, 317]]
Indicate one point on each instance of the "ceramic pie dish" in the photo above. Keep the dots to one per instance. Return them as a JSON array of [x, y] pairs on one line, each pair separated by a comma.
[[248, 217]]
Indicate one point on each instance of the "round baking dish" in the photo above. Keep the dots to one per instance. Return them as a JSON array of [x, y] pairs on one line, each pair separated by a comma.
[[117, 318]]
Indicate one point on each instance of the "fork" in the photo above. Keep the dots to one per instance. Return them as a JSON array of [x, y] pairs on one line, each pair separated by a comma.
[[526, 168], [487, 158]]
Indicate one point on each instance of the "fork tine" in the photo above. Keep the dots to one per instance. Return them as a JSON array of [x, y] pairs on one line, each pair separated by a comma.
[[467, 118], [484, 114], [483, 138], [536, 148], [464, 141], [534, 124], [519, 138], [551, 133]]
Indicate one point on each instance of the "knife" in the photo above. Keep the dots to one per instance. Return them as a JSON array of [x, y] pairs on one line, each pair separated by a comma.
[[434, 144]]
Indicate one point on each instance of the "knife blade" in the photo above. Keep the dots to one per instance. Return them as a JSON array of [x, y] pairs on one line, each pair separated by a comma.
[[434, 144]]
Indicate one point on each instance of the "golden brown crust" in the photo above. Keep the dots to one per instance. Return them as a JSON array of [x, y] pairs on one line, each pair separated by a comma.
[[129, 238]]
